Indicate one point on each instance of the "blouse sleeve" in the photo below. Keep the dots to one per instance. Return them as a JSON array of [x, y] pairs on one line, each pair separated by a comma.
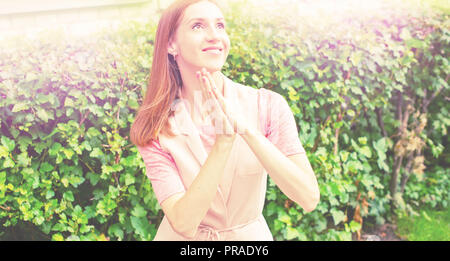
[[278, 122], [161, 170]]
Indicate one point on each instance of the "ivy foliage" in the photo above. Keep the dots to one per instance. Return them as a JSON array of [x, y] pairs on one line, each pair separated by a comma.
[[369, 98]]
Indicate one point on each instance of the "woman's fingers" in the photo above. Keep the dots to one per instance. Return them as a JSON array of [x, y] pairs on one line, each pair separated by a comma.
[[216, 94], [223, 104], [203, 85], [219, 118], [236, 121]]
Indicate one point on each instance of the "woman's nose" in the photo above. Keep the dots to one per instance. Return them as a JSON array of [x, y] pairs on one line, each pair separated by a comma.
[[212, 33]]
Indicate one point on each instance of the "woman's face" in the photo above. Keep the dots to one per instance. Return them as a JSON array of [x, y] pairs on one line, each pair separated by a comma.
[[201, 39]]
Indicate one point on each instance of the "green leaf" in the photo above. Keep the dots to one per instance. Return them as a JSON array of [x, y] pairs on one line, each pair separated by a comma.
[[76, 180], [20, 107], [57, 237], [68, 152], [132, 190], [129, 179], [86, 145], [24, 142], [3, 152], [362, 140], [69, 112], [285, 219], [96, 153], [354, 226], [291, 233], [49, 194], [46, 167], [2, 178], [141, 225], [42, 114], [54, 149], [65, 182], [113, 192], [381, 148], [23, 159], [344, 197], [9, 163], [133, 103], [414, 43], [93, 132], [115, 230], [338, 216], [39, 220], [93, 178], [354, 166], [255, 78], [139, 211], [380, 145], [68, 102], [334, 189], [344, 155], [8, 143], [366, 151], [51, 134], [68, 195], [321, 224]]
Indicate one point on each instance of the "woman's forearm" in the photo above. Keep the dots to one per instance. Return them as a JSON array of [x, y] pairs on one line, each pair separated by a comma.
[[298, 184], [193, 206]]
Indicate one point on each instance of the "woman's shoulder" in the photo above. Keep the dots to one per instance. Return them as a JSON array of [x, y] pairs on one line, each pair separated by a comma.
[[152, 145], [269, 93], [269, 97], [261, 92], [242, 88], [264, 95]]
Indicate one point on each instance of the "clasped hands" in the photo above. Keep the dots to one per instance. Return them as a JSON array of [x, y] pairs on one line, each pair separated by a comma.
[[226, 120]]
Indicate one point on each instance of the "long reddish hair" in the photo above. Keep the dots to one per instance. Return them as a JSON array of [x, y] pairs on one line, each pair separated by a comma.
[[164, 81]]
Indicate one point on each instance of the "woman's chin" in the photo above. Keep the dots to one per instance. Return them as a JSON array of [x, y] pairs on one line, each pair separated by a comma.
[[212, 66]]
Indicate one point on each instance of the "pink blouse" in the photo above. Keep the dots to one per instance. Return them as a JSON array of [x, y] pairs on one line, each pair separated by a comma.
[[278, 126]]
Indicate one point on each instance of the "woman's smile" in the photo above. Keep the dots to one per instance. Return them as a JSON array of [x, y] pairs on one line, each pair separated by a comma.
[[213, 51]]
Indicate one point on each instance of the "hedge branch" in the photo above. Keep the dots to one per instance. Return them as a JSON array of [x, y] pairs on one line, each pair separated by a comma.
[[379, 112], [406, 174], [427, 102]]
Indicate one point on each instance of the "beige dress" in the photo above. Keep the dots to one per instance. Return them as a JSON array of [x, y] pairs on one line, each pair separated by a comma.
[[236, 212]]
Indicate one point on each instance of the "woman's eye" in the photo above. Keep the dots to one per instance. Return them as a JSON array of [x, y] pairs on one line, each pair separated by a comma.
[[196, 26]]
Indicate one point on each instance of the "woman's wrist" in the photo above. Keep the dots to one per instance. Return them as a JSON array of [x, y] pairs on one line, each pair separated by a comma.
[[249, 132], [225, 139]]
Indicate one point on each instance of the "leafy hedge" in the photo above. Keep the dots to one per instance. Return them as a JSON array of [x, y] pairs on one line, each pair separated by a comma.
[[68, 166], [368, 101]]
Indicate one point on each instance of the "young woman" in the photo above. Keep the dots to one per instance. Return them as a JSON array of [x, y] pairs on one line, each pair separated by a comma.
[[208, 142]]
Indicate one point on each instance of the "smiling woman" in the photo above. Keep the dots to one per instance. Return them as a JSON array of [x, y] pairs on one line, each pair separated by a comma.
[[208, 143]]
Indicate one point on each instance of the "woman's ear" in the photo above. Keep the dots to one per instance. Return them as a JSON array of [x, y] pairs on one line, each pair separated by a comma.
[[172, 48]]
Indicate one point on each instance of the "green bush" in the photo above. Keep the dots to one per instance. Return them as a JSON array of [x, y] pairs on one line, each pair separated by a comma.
[[344, 92], [68, 170], [67, 163]]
